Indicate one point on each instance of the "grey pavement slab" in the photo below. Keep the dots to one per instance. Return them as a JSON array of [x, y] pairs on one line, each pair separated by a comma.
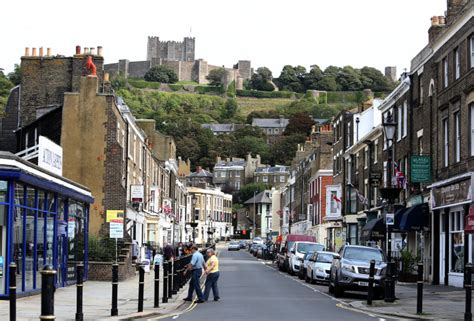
[[97, 301]]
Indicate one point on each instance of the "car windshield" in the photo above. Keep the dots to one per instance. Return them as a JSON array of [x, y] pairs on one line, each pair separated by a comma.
[[305, 247], [308, 255], [363, 254], [233, 243], [324, 258]]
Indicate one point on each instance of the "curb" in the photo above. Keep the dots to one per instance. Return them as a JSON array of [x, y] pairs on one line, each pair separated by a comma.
[[358, 305]]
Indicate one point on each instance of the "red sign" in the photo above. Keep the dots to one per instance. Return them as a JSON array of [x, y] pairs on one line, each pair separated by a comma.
[[244, 232], [469, 226]]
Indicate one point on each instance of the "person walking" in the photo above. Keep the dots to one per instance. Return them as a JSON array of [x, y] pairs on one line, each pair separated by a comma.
[[212, 272], [195, 266], [168, 252]]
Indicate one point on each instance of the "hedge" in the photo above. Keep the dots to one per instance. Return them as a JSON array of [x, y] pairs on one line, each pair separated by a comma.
[[264, 94], [140, 83], [175, 87], [209, 89]]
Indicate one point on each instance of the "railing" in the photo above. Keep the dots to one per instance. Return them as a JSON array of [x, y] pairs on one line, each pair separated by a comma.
[[29, 153]]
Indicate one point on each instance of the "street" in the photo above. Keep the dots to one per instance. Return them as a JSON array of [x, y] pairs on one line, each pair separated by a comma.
[[252, 290]]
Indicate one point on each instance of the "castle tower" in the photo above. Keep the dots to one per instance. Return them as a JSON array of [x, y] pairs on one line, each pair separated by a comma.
[[152, 48], [188, 50]]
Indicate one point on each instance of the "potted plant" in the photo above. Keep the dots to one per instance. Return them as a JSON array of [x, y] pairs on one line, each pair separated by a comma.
[[407, 273]]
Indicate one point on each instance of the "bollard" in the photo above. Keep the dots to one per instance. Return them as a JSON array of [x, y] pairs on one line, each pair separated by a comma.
[[141, 287], [419, 290], [390, 283], [175, 277], [170, 278], [12, 286], [165, 282], [370, 291], [47, 293], [156, 303], [114, 310], [79, 291], [468, 287]]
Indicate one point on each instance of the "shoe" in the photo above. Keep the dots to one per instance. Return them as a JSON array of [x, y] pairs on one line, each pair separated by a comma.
[[200, 301], [186, 299], [217, 299]]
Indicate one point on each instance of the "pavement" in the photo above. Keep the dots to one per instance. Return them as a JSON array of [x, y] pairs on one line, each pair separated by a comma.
[[251, 289], [97, 301]]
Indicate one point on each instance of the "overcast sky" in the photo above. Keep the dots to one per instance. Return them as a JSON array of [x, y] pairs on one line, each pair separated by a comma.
[[270, 33]]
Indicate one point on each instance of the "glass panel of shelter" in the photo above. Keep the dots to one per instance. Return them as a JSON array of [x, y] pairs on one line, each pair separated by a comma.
[[3, 234]]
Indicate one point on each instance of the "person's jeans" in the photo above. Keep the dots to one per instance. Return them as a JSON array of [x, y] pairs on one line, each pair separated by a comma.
[[194, 284], [211, 283]]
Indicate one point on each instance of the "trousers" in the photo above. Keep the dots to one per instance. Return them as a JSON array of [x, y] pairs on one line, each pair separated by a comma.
[[211, 283], [194, 284]]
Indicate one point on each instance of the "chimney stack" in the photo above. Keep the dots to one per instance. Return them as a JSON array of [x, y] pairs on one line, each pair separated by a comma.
[[48, 52], [27, 52], [99, 51], [33, 53], [435, 29]]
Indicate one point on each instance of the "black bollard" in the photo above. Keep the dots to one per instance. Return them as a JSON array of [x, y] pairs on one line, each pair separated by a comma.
[[47, 293], [165, 282], [12, 286], [141, 287], [79, 292], [156, 303], [370, 291], [390, 283], [114, 311], [170, 278], [419, 290], [468, 287], [175, 277]]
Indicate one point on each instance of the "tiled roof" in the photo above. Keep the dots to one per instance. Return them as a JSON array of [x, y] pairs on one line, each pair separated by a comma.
[[201, 173], [260, 198], [220, 127], [273, 169], [270, 122]]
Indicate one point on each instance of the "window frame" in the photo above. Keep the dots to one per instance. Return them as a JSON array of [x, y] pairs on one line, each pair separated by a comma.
[[457, 64], [445, 66], [445, 133]]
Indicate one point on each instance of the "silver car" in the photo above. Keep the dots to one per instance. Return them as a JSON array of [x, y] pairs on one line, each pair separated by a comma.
[[319, 266], [233, 246], [350, 271]]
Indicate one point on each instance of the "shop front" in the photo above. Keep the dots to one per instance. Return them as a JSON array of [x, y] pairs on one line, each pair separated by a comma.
[[43, 221], [451, 200]]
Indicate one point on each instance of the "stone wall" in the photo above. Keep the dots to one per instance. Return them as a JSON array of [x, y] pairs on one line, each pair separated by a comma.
[[138, 69], [102, 271]]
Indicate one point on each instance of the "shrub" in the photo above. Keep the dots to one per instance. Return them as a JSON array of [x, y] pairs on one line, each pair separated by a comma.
[[175, 87], [209, 90], [264, 94], [140, 83], [163, 74]]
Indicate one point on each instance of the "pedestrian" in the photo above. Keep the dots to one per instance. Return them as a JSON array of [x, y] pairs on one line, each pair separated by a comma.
[[168, 252], [212, 272], [195, 266]]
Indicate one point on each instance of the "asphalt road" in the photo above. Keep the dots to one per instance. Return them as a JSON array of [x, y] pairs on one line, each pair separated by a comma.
[[253, 290]]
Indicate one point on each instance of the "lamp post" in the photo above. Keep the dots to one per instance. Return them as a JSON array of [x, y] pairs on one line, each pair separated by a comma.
[[389, 193], [269, 229], [254, 231], [193, 218]]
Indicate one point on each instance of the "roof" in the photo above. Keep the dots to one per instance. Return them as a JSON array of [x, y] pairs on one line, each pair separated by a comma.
[[220, 127], [201, 173], [272, 169], [234, 162], [260, 198], [270, 122]]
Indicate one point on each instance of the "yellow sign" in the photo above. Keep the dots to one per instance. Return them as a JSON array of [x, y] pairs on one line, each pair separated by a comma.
[[114, 215]]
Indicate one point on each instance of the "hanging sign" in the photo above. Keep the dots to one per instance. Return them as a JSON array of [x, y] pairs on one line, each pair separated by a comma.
[[390, 218], [420, 169], [136, 193], [469, 226], [113, 215]]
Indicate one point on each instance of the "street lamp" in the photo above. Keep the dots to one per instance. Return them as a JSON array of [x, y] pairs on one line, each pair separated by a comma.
[[389, 193], [193, 218]]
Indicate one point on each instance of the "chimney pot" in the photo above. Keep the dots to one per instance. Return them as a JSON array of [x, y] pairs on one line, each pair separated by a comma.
[[86, 50], [33, 52], [48, 52], [434, 20], [78, 50], [92, 51], [41, 51], [99, 50], [27, 52], [106, 77], [441, 20]]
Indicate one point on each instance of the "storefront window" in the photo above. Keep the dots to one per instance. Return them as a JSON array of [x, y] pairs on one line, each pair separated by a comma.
[[29, 249], [18, 245], [3, 234], [49, 239], [456, 227]]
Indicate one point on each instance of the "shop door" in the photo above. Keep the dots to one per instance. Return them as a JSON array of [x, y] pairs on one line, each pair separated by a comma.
[[62, 264]]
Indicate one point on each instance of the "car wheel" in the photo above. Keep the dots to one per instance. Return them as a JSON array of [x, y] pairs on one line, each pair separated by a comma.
[[313, 280], [306, 278], [301, 274], [330, 287], [338, 291]]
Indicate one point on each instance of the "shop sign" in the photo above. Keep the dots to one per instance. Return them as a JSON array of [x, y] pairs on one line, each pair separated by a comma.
[[390, 218], [469, 224], [50, 156], [116, 228], [71, 227], [420, 169], [113, 215], [459, 192], [136, 193]]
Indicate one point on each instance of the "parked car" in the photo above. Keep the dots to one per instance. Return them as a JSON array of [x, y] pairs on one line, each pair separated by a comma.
[[297, 252], [253, 248], [261, 248], [304, 264], [350, 271], [319, 266], [258, 247], [233, 246], [242, 244], [283, 252]]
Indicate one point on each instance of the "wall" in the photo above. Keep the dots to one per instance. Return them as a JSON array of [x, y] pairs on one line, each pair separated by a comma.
[[10, 122], [138, 69]]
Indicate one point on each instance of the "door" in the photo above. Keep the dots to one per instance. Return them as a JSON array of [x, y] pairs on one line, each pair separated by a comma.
[[442, 244]]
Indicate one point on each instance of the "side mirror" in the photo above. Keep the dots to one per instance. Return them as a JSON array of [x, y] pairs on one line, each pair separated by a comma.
[[293, 251], [337, 257]]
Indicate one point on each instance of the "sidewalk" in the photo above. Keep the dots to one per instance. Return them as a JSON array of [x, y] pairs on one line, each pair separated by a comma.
[[439, 303], [98, 302]]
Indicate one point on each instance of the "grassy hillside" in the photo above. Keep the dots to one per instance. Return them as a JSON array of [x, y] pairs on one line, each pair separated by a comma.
[[247, 104]]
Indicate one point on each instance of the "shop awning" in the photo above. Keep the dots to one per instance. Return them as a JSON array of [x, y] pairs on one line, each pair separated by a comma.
[[415, 218], [373, 230], [398, 219]]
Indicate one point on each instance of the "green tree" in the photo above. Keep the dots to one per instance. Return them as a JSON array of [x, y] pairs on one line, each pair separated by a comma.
[[5, 87], [15, 76], [163, 74], [261, 80], [284, 149], [216, 77], [299, 124], [231, 108], [291, 78], [247, 191], [375, 80], [312, 78]]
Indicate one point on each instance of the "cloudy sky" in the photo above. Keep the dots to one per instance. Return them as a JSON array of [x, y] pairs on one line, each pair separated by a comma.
[[270, 33]]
